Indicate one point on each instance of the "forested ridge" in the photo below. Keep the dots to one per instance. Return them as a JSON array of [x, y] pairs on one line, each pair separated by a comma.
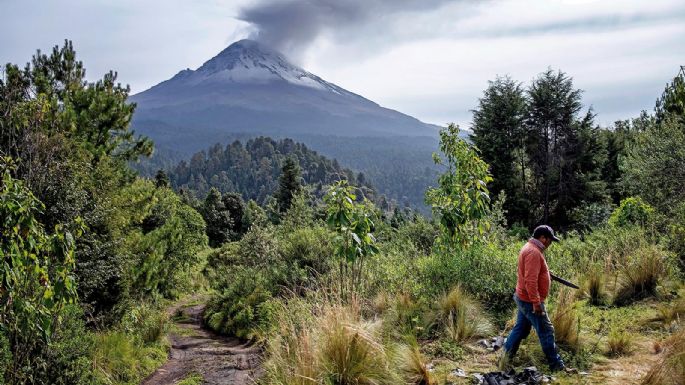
[[299, 257], [252, 169]]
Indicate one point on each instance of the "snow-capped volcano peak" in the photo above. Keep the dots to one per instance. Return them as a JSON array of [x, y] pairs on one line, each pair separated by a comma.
[[248, 61]]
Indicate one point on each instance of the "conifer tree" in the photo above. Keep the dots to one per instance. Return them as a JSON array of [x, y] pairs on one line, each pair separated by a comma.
[[217, 218], [161, 179], [499, 133], [288, 184]]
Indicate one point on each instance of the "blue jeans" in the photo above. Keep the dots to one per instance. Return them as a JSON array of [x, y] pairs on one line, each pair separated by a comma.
[[543, 327]]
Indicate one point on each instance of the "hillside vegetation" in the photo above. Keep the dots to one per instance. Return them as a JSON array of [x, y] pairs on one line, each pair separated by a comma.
[[333, 286]]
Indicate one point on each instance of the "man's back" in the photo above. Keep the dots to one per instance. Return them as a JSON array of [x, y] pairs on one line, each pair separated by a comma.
[[533, 280]]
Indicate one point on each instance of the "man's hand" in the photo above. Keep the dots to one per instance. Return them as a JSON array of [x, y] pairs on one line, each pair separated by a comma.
[[537, 309]]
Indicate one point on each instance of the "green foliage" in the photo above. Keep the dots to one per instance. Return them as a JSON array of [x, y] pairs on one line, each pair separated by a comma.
[[619, 343], [355, 242], [191, 379], [632, 211], [162, 249], [308, 253], [483, 270], [421, 233], [67, 359], [51, 96], [654, 165], [5, 356], [236, 311], [147, 322], [35, 275], [672, 101], [119, 358], [261, 265], [462, 198]]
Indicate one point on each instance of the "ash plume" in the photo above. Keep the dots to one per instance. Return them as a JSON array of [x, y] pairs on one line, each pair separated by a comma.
[[291, 25]]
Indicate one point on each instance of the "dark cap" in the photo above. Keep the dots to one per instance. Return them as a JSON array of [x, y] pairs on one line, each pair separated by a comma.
[[546, 231]]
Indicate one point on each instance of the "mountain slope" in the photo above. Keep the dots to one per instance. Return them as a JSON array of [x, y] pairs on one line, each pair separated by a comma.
[[249, 88]]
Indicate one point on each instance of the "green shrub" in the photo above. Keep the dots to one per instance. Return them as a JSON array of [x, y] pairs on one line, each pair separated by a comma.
[[421, 233], [306, 254], [147, 322], [236, 310], [487, 272], [588, 217], [632, 211], [69, 352]]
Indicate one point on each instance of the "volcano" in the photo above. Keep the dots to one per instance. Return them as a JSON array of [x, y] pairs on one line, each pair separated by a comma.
[[251, 89]]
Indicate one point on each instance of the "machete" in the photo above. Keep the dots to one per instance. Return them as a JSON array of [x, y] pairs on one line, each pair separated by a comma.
[[563, 281]]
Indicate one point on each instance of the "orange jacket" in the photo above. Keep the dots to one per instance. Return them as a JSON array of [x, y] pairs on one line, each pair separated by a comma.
[[533, 280]]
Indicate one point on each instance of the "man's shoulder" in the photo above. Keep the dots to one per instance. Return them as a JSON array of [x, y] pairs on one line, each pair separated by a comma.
[[530, 249]]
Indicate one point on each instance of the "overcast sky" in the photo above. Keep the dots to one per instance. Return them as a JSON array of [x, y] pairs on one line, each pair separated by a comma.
[[427, 58]]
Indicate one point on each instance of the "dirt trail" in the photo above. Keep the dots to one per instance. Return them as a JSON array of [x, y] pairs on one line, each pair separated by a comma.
[[219, 360]]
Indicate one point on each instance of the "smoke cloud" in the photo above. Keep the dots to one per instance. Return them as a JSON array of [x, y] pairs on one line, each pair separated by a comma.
[[292, 25]]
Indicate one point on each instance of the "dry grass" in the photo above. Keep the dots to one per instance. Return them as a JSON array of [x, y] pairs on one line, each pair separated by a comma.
[[619, 343], [461, 317], [413, 366], [670, 369], [351, 352], [641, 275], [334, 347], [565, 321], [670, 315]]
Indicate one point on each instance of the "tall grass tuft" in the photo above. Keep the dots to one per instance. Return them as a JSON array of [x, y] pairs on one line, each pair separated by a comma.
[[334, 346], [595, 289], [460, 316], [641, 275], [351, 351], [413, 366], [565, 321], [670, 369], [619, 343], [119, 358]]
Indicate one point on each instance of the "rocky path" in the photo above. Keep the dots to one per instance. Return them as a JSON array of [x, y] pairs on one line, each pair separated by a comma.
[[219, 360]]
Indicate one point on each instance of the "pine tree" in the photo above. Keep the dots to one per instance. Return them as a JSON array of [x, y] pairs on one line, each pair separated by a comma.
[[235, 206], [565, 151], [288, 184], [499, 133], [161, 179]]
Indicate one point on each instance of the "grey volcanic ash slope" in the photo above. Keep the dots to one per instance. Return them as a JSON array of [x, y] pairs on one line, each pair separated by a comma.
[[251, 89]]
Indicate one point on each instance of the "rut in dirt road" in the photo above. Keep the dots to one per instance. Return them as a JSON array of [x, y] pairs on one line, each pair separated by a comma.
[[219, 360]]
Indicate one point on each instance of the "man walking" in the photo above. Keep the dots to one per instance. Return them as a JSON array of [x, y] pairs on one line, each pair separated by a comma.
[[532, 287]]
